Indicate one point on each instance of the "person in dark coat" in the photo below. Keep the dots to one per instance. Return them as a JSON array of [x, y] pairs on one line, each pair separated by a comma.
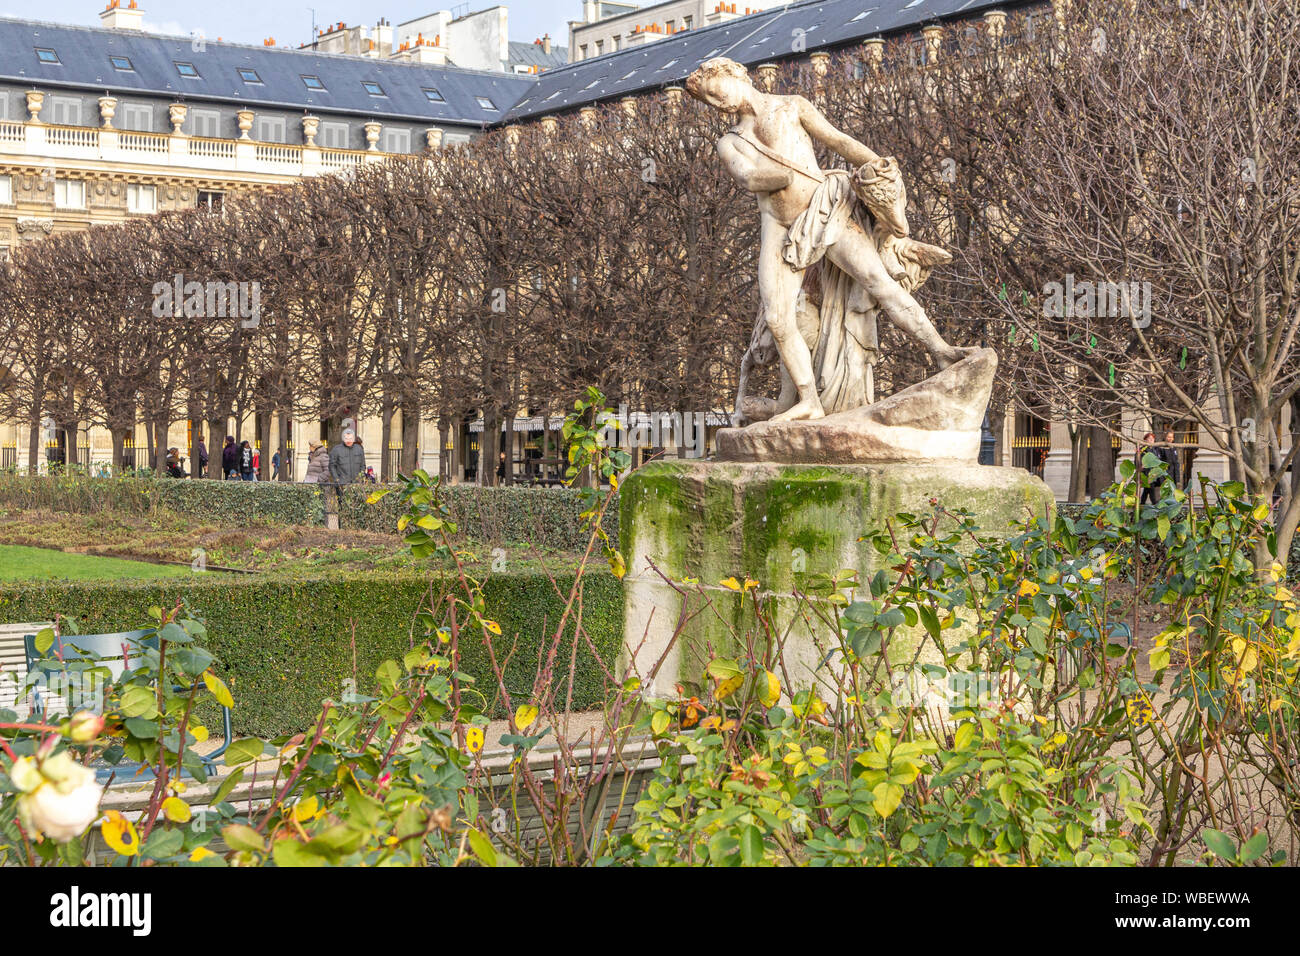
[[1145, 478], [347, 460], [1168, 453], [246, 467], [203, 458], [230, 459]]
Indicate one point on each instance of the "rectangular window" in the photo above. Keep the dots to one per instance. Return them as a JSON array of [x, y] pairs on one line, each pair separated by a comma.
[[4, 253], [582, 52], [312, 82], [122, 63], [333, 135], [270, 129], [250, 76], [397, 140], [373, 88], [210, 200], [486, 103], [188, 70], [69, 194], [687, 22], [204, 123], [600, 47], [141, 199], [46, 56], [6, 191], [136, 117], [433, 95], [64, 110]]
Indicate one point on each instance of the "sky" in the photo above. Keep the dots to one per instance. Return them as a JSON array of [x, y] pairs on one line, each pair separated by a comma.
[[289, 21]]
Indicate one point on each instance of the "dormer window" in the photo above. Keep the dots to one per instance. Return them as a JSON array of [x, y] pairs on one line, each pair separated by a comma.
[[122, 63], [250, 76], [373, 88], [188, 70], [47, 56], [433, 96], [312, 82], [486, 103]]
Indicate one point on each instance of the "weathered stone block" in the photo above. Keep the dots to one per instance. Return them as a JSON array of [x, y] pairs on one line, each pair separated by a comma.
[[775, 524]]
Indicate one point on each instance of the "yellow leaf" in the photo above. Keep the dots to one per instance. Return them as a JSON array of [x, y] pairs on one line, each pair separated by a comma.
[[750, 584], [769, 689], [200, 854], [492, 626], [119, 834], [176, 810], [305, 809], [659, 722], [617, 565], [525, 716], [474, 739], [1261, 511], [728, 687], [200, 732], [613, 482], [217, 689], [731, 584]]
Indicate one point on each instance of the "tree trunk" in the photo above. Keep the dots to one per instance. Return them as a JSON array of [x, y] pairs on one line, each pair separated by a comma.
[[70, 443], [487, 448], [119, 436], [34, 440], [216, 445], [410, 436], [283, 432], [1078, 465], [508, 446], [160, 427], [1101, 461]]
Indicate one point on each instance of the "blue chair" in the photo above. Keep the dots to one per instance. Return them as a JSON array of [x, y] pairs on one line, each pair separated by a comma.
[[83, 658]]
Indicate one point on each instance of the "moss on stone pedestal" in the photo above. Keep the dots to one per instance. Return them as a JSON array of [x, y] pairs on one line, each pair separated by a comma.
[[775, 524]]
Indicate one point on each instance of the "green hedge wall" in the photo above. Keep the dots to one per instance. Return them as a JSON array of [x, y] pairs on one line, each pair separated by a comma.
[[287, 645], [544, 517]]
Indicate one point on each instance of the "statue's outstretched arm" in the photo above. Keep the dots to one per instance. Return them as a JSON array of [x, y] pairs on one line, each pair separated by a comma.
[[819, 128]]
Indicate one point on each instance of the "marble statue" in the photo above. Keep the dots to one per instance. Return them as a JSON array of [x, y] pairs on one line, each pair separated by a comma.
[[851, 225]]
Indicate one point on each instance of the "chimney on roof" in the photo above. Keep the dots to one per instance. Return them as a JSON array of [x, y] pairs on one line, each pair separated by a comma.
[[546, 44], [118, 17]]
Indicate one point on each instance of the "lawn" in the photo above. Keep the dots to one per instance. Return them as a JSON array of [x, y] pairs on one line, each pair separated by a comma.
[[22, 563]]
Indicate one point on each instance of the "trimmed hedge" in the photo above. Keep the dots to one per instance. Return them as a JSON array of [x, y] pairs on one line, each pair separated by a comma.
[[544, 517], [285, 646]]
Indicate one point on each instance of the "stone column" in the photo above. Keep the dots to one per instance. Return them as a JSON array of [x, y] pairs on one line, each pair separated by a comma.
[[1056, 472]]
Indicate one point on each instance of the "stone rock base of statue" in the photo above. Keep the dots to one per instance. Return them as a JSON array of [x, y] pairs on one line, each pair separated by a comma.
[[778, 525], [937, 419]]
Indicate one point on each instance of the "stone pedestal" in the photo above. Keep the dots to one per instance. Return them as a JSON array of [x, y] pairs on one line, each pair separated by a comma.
[[778, 525]]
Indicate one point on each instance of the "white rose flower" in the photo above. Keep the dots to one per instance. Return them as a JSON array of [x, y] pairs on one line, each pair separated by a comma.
[[60, 797]]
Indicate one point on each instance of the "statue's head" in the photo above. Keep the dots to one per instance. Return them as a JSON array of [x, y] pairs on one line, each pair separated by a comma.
[[721, 83]]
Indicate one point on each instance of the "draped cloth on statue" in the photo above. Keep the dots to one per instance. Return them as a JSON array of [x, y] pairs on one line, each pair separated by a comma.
[[847, 340]]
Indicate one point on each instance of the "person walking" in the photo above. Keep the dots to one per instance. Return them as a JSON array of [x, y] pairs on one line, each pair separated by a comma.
[[318, 464], [275, 463], [203, 459], [230, 459], [347, 460], [1145, 479], [246, 461]]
